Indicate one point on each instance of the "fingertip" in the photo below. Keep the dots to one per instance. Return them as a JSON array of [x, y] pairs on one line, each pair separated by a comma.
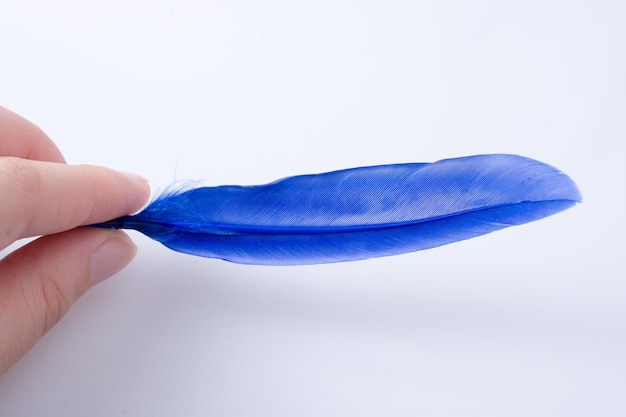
[[141, 189]]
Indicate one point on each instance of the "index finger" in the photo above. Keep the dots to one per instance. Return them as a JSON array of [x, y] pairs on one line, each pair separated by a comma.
[[42, 198]]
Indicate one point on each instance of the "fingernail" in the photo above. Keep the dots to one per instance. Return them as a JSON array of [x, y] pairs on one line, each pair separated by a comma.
[[135, 178], [113, 255]]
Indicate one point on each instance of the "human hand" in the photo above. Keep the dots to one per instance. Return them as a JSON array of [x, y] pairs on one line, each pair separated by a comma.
[[42, 195]]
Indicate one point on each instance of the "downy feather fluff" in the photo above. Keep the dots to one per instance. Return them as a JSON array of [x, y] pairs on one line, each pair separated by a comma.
[[355, 213]]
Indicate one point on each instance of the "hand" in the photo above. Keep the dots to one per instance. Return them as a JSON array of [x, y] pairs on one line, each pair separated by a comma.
[[41, 195]]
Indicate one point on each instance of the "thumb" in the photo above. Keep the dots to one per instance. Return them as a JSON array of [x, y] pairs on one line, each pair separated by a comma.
[[40, 281]]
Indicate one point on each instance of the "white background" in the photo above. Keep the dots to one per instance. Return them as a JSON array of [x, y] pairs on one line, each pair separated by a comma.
[[527, 321]]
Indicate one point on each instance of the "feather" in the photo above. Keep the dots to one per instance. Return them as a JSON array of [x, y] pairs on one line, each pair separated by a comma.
[[355, 213]]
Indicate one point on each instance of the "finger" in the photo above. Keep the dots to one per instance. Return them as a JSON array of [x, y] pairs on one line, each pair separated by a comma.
[[42, 198], [22, 139], [40, 281]]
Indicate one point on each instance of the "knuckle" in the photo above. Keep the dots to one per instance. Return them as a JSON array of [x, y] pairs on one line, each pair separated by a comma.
[[56, 302], [19, 175], [20, 180], [42, 297]]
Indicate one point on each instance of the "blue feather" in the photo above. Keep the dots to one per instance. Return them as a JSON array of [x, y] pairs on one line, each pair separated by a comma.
[[355, 213]]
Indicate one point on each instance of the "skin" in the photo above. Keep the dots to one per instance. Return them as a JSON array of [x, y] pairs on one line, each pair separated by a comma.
[[43, 196]]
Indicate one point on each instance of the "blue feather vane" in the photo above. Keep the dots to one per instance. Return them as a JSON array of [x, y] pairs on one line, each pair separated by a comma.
[[355, 213]]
